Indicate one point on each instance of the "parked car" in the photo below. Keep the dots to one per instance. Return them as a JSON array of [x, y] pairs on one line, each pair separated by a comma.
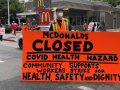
[[39, 28]]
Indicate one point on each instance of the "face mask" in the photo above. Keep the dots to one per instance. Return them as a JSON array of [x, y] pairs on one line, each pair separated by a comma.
[[60, 14]]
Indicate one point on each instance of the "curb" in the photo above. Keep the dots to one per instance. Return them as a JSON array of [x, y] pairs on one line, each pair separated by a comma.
[[18, 32], [11, 40]]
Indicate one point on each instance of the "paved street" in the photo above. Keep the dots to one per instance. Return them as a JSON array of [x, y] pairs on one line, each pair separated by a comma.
[[10, 74]]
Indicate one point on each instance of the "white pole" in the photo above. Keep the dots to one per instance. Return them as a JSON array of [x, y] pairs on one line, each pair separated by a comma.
[[8, 14]]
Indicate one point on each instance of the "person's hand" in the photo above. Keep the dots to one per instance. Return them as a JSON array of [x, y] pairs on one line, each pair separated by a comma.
[[72, 30], [97, 31], [77, 30]]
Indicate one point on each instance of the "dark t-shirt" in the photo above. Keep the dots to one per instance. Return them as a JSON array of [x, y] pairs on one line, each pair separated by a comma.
[[34, 23], [0, 24], [60, 22]]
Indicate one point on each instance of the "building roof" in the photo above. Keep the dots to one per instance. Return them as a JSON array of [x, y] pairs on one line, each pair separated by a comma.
[[71, 5], [26, 13], [83, 5]]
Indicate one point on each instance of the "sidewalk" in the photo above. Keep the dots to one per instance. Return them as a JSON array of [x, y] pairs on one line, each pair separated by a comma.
[[113, 30], [9, 37]]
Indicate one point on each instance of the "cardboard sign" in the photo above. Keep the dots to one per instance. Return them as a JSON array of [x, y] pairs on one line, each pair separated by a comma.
[[14, 26], [29, 27], [90, 26], [71, 56], [2, 31]]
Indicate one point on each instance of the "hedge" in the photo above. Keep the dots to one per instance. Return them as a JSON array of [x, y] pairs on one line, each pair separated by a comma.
[[8, 29]]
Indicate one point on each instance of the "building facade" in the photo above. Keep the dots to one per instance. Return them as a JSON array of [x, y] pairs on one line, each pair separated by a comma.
[[76, 11]]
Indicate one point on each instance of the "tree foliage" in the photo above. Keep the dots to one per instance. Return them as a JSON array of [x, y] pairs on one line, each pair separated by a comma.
[[112, 3], [14, 6]]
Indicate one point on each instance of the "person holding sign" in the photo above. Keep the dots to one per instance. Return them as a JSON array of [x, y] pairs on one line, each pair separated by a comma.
[[60, 23], [2, 32], [14, 27], [85, 26], [94, 28]]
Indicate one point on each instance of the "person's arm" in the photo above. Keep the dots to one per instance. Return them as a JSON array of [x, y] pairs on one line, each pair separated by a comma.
[[83, 26], [98, 27], [36, 23], [51, 28], [70, 27]]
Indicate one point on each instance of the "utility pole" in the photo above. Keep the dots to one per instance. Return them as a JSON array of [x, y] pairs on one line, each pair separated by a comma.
[[8, 14]]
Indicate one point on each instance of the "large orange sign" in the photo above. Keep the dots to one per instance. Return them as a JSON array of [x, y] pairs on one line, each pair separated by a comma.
[[71, 56]]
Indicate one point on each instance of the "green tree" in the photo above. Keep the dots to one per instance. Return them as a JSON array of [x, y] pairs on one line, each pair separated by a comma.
[[112, 3], [15, 7]]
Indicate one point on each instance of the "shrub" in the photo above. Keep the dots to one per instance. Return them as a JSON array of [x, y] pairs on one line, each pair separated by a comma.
[[8, 29]]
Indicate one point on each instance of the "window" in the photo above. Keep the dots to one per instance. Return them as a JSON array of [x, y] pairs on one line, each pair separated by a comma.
[[85, 19], [74, 21], [37, 28], [92, 18], [98, 19], [45, 29], [82, 20], [78, 20]]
